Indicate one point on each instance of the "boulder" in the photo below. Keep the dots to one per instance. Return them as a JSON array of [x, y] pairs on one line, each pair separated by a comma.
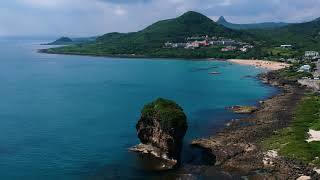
[[161, 130]]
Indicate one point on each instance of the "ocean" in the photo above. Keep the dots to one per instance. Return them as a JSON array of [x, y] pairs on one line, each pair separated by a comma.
[[73, 117]]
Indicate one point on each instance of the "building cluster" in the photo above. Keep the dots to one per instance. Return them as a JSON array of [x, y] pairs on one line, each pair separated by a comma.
[[196, 42], [311, 82], [313, 55], [308, 55]]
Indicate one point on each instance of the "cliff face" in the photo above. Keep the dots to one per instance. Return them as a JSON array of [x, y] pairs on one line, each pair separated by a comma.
[[161, 130]]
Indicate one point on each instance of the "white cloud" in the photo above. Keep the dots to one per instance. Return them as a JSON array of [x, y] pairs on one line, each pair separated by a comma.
[[91, 17], [225, 3], [44, 3], [119, 11]]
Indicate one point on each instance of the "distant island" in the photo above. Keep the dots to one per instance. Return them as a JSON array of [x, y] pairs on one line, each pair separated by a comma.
[[193, 35]]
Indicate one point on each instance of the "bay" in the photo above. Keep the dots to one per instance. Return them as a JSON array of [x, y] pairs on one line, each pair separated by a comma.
[[73, 117]]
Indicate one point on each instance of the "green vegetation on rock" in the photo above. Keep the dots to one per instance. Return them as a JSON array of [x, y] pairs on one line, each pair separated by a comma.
[[291, 141], [169, 113]]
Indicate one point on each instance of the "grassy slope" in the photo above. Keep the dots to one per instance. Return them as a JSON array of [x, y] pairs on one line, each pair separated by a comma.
[[290, 142]]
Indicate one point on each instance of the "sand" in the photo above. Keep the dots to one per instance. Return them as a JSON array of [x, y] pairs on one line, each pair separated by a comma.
[[304, 178], [313, 135], [269, 65]]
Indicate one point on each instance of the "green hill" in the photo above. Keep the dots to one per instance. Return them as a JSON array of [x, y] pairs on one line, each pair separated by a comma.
[[150, 41], [61, 41], [265, 25], [303, 36], [69, 41]]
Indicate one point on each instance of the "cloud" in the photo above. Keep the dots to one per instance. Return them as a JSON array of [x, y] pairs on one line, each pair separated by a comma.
[[44, 3], [120, 11], [126, 1], [92, 17]]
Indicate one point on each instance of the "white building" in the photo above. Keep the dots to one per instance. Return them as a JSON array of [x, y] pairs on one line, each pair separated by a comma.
[[291, 60], [228, 48], [286, 46], [305, 68], [311, 54], [246, 47], [243, 49], [175, 45], [192, 45]]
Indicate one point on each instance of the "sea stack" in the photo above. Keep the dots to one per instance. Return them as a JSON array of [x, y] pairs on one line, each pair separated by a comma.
[[161, 129]]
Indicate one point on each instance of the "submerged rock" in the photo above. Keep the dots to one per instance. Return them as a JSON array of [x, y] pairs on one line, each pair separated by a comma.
[[161, 130]]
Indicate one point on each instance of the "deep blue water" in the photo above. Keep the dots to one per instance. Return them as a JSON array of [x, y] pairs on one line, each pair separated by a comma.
[[73, 117]]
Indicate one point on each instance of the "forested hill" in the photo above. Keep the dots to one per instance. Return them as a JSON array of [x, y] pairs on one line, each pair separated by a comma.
[[303, 36], [265, 25], [175, 30], [151, 40], [61, 41]]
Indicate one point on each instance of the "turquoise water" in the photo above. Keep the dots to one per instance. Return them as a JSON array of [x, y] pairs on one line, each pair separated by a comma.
[[73, 117]]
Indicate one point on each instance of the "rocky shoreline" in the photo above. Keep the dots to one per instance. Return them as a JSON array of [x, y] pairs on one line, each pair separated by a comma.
[[237, 148]]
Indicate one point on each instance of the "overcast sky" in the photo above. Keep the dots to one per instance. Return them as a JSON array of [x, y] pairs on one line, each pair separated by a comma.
[[95, 17]]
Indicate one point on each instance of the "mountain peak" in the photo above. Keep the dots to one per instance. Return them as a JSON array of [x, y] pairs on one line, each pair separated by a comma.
[[192, 13], [192, 16], [221, 20]]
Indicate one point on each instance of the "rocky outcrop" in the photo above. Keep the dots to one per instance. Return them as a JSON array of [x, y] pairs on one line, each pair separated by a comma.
[[310, 83], [243, 109], [161, 130]]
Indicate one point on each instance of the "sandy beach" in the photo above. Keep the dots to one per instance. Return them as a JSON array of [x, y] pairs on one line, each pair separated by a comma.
[[270, 65]]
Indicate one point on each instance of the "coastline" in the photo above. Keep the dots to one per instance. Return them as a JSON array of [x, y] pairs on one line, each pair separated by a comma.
[[130, 56], [265, 64], [270, 65], [237, 148]]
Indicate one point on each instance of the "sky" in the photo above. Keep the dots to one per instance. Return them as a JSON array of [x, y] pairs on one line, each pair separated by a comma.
[[79, 18]]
